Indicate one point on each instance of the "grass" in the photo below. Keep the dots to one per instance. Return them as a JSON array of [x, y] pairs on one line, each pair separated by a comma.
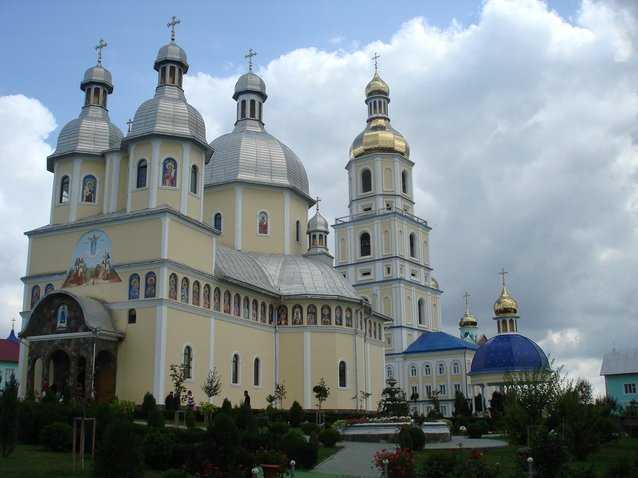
[[327, 452]]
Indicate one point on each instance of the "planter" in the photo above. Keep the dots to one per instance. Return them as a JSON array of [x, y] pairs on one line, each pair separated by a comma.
[[271, 471]]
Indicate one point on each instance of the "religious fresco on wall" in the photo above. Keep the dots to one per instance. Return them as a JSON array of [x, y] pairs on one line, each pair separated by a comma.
[[246, 308], [89, 189], [150, 283], [35, 295], [48, 289], [282, 315], [172, 287], [237, 306], [195, 293], [262, 222], [263, 313], [326, 319], [206, 296], [134, 287], [297, 315], [226, 302], [348, 317], [216, 299], [184, 290], [338, 315], [169, 173], [91, 261], [255, 312], [312, 315], [270, 313]]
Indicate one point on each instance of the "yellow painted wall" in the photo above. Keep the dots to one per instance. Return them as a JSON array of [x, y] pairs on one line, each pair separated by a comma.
[[122, 195], [291, 365], [190, 246], [298, 212], [63, 167], [221, 199], [95, 167], [271, 201]]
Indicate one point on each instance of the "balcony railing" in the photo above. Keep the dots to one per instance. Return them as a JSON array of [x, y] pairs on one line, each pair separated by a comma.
[[380, 212]]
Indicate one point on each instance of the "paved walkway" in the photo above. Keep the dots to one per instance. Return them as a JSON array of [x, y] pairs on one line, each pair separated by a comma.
[[355, 458]]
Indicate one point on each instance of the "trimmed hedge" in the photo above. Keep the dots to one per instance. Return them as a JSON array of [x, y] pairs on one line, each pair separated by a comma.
[[57, 436]]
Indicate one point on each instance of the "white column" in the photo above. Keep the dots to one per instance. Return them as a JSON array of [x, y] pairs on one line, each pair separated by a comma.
[[378, 183], [54, 197], [106, 183], [131, 176], [415, 306], [160, 353], [115, 182], [201, 188], [287, 222], [238, 215], [186, 166], [307, 369], [156, 172], [75, 189]]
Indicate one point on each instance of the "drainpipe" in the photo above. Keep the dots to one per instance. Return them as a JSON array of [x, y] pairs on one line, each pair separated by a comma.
[[95, 332]]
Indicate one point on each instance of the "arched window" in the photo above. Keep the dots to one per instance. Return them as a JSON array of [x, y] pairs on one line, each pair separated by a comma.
[[207, 296], [171, 74], [456, 368], [366, 181], [412, 371], [134, 287], [179, 77], [150, 282], [252, 108], [262, 223], [262, 314], [89, 189], [65, 184], [234, 373], [187, 362], [421, 311], [217, 221], [255, 310], [512, 328], [184, 290], [412, 245], [169, 173], [388, 372], [243, 109], [246, 308], [404, 181], [196, 287], [312, 315], [326, 315], [237, 305], [142, 168], [298, 231], [364, 244], [256, 372], [132, 316], [348, 317], [270, 313], [194, 179], [343, 375], [163, 75], [259, 104], [172, 286], [441, 368], [227, 306], [427, 370], [48, 289], [62, 316], [35, 295]]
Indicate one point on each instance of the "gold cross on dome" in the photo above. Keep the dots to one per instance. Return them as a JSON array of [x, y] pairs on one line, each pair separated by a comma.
[[467, 302], [100, 45], [317, 201], [174, 21], [249, 56], [502, 274], [375, 58]]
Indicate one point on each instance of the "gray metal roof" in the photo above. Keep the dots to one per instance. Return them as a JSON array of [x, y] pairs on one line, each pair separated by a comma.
[[98, 74], [285, 275], [250, 154], [250, 83], [620, 362], [91, 133], [318, 223], [171, 52], [168, 113]]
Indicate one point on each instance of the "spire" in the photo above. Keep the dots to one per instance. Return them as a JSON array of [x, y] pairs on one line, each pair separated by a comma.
[[506, 309], [250, 94], [171, 62], [97, 82], [468, 325]]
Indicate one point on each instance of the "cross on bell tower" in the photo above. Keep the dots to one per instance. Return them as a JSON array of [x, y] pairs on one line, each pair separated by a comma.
[[502, 274], [100, 45], [375, 58], [317, 201], [174, 21], [467, 302], [249, 56]]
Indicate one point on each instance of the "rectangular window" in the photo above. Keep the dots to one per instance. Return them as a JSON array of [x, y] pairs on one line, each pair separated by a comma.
[[442, 389], [457, 387], [630, 388], [415, 390], [388, 270], [444, 410], [428, 391]]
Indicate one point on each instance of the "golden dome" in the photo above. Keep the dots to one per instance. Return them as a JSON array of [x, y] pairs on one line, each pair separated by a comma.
[[505, 304], [379, 136], [468, 320], [377, 86]]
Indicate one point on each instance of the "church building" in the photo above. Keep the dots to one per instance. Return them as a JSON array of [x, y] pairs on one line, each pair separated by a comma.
[[164, 249]]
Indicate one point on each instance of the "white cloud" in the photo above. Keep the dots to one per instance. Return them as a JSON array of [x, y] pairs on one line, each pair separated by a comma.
[[25, 192], [522, 129]]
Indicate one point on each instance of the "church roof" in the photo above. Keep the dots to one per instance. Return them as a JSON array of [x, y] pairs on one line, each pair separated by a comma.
[[620, 362], [509, 353], [9, 350], [281, 274], [437, 342]]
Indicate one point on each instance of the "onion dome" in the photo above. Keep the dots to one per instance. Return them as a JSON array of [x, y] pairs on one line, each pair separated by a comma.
[[379, 135], [318, 223], [505, 305], [509, 353], [249, 153], [168, 113], [91, 133]]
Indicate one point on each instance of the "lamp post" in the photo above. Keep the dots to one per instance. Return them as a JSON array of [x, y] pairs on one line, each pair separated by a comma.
[[385, 468], [530, 467]]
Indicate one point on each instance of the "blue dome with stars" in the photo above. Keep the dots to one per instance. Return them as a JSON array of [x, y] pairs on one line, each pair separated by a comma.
[[509, 353]]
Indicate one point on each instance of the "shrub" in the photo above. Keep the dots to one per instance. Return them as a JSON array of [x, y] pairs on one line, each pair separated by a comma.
[[175, 474], [295, 446], [158, 448], [400, 462], [227, 407], [296, 414], [329, 437], [149, 405], [156, 419], [227, 440], [9, 417], [476, 429], [270, 457], [189, 419], [57, 436], [123, 407], [418, 438], [279, 428], [120, 453], [308, 428], [405, 438]]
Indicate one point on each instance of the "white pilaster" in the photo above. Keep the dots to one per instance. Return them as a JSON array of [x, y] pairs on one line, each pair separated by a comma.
[[186, 167], [131, 176], [106, 183], [286, 222], [239, 203], [75, 189], [115, 182], [307, 370], [160, 353], [54, 196], [156, 172]]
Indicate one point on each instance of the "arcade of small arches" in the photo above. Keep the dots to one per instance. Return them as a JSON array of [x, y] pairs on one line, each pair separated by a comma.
[[169, 175], [507, 325], [365, 245], [428, 369]]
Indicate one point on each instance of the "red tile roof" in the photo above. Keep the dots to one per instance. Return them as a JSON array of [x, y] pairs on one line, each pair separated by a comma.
[[9, 351]]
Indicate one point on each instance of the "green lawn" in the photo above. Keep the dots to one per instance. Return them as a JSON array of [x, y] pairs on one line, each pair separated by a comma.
[[325, 452]]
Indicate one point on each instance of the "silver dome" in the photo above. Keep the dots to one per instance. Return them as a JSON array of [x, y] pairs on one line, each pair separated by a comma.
[[97, 74], [169, 113], [250, 154], [318, 223], [171, 52], [91, 133], [250, 83]]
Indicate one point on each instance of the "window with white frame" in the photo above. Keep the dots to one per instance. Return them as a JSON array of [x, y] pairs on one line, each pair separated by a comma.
[[412, 371], [415, 392], [388, 372], [457, 387], [427, 369], [428, 391], [442, 389], [456, 368], [630, 388], [441, 368], [444, 411]]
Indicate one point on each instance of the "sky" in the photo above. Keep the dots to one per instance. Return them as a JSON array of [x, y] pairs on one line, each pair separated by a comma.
[[521, 116]]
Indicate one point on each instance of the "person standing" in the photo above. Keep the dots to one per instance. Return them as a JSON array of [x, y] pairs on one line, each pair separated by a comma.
[[246, 399]]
